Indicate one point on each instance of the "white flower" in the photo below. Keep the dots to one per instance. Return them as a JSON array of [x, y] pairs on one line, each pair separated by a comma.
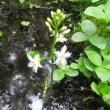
[[62, 56], [66, 31], [64, 28], [34, 62], [61, 38]]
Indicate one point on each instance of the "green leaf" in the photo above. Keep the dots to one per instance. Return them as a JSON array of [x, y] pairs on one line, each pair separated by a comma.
[[107, 10], [71, 72], [103, 88], [21, 1], [64, 67], [90, 66], [95, 12], [74, 66], [88, 27], [95, 88], [32, 53], [93, 1], [99, 42], [106, 64], [1, 34], [82, 68], [80, 61], [85, 71], [106, 98], [106, 54], [25, 23], [103, 73], [58, 75], [79, 37], [94, 57], [108, 28]]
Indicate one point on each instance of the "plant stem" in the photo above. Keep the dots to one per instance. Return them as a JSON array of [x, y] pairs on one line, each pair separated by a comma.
[[53, 46], [52, 53]]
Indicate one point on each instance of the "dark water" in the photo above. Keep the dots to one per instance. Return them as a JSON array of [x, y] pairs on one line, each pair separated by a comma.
[[18, 84]]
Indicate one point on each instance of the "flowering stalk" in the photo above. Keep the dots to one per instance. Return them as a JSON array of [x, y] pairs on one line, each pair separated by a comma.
[[57, 32]]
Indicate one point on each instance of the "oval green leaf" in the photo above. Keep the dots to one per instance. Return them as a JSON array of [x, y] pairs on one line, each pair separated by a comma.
[[106, 64], [104, 88], [74, 66], [79, 37], [102, 73], [99, 42], [88, 27], [85, 71], [95, 12], [71, 72], [58, 75], [95, 88], [90, 66], [94, 57]]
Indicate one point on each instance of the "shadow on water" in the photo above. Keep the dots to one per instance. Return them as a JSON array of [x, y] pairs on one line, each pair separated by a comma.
[[19, 86]]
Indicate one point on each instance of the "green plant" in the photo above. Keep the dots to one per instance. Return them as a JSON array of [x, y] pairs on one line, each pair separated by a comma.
[[1, 34], [21, 1], [101, 12], [25, 23], [95, 60], [102, 89], [58, 59]]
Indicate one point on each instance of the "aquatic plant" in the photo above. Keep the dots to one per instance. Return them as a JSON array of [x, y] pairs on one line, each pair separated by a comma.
[[95, 60]]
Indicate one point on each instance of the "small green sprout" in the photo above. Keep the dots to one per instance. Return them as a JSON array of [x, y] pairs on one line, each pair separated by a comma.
[[102, 89], [21, 1], [25, 23], [1, 34]]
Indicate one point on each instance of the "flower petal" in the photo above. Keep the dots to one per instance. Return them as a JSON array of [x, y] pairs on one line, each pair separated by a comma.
[[67, 54], [64, 48], [30, 64], [30, 58]]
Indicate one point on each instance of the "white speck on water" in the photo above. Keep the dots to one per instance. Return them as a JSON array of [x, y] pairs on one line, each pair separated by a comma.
[[37, 103], [12, 57], [6, 107]]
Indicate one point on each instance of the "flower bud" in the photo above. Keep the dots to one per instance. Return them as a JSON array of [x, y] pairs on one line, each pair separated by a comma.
[[66, 31], [58, 11], [63, 16], [49, 20], [52, 14], [47, 24], [57, 18], [63, 28], [50, 29]]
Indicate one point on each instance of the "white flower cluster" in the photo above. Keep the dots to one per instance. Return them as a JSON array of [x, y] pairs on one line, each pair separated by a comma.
[[55, 21], [61, 36]]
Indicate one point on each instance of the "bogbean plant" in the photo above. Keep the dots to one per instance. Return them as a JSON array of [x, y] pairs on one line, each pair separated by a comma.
[[95, 60], [57, 58]]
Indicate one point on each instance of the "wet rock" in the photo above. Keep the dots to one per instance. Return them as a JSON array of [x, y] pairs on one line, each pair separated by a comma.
[[14, 57], [19, 84], [19, 104]]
